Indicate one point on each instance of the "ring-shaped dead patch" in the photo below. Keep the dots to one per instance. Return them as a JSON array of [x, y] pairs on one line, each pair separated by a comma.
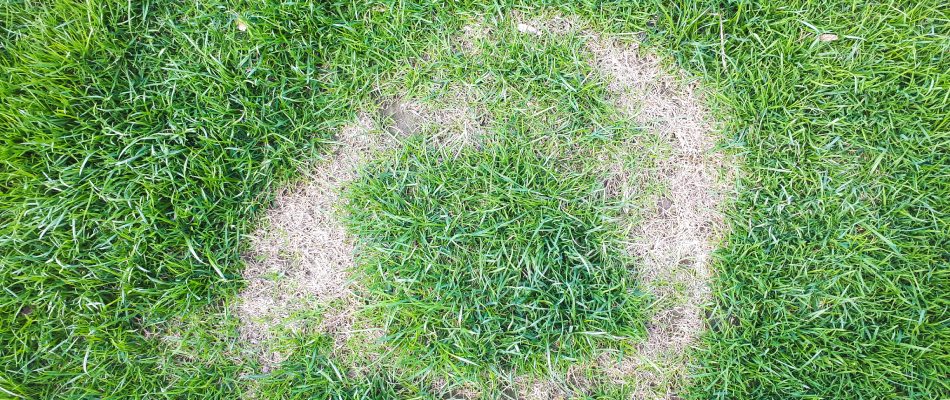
[[673, 237]]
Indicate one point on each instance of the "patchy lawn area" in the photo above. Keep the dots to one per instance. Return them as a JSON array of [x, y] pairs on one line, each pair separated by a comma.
[[230, 199]]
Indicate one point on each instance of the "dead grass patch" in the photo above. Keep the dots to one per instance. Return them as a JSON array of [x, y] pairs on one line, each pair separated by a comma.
[[302, 259], [472, 35], [678, 186], [453, 120], [679, 226]]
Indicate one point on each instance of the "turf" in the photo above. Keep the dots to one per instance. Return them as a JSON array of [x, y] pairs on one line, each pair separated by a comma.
[[492, 259], [309, 373], [140, 140], [833, 283]]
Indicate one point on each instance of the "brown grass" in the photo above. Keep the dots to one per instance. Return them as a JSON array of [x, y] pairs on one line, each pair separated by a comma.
[[302, 258], [678, 230], [678, 226]]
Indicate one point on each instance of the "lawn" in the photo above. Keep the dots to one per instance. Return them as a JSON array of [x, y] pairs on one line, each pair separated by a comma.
[[142, 143]]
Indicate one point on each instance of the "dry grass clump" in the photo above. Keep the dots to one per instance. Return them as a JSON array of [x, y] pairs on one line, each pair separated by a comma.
[[301, 258], [471, 36], [675, 235], [453, 120]]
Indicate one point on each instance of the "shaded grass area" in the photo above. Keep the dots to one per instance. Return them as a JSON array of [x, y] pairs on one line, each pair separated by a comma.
[[140, 139], [492, 260]]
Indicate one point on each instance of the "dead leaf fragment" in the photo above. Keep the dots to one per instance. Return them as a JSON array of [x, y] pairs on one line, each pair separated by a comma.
[[827, 37]]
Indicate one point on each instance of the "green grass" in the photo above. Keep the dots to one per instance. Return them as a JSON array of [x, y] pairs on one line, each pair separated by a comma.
[[309, 374], [140, 140], [834, 280], [492, 260]]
